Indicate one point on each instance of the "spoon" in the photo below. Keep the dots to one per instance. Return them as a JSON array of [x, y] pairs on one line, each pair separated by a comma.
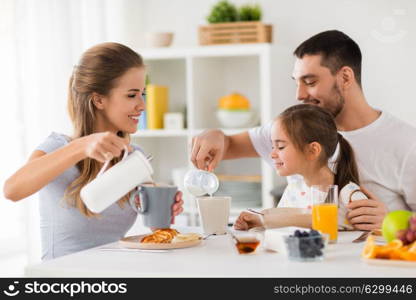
[[233, 236], [207, 236], [362, 237], [255, 211], [149, 157]]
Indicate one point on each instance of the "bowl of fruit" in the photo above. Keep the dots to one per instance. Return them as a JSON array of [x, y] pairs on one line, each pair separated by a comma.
[[399, 232], [306, 246], [234, 111]]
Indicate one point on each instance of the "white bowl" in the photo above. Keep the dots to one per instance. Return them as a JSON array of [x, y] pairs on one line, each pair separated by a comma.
[[159, 39], [234, 118]]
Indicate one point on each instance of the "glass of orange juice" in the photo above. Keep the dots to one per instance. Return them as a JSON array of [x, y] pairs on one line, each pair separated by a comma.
[[325, 210]]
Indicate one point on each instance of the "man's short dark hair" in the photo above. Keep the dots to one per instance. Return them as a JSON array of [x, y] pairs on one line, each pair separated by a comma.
[[337, 50]]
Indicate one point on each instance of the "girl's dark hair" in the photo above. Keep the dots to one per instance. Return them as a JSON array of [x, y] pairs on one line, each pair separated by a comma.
[[306, 123]]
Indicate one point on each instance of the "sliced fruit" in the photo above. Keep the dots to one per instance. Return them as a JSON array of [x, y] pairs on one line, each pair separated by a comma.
[[388, 250], [392, 250], [370, 248], [409, 256], [412, 247], [396, 254], [394, 244]]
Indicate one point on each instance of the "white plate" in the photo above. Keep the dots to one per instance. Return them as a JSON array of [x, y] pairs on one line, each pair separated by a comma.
[[134, 242], [390, 262]]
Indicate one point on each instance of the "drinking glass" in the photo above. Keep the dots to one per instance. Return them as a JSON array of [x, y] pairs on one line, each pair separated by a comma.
[[325, 210]]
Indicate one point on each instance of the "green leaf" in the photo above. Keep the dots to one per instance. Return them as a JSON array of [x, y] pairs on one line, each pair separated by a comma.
[[250, 13], [223, 11]]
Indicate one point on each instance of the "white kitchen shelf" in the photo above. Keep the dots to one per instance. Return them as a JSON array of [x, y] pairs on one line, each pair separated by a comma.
[[161, 133], [197, 77], [183, 132], [204, 51], [227, 131]]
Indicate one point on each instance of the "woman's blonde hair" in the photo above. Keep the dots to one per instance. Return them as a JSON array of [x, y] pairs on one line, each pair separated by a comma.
[[97, 72]]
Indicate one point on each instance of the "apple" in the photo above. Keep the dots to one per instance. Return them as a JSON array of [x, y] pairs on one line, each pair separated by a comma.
[[395, 221]]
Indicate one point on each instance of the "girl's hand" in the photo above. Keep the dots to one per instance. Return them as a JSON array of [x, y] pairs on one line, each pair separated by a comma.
[[247, 220], [103, 146]]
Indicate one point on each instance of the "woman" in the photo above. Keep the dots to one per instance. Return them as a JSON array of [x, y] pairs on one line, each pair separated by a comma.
[[104, 103]]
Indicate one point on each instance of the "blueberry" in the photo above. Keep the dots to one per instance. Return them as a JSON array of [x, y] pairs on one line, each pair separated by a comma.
[[309, 252], [318, 242], [314, 233]]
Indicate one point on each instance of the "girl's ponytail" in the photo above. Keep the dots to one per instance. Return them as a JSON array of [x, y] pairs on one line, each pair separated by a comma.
[[346, 166]]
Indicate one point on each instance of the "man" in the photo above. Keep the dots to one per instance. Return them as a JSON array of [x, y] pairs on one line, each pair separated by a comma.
[[327, 72]]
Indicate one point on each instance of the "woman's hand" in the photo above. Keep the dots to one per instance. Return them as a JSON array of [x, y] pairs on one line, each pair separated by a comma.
[[177, 206], [247, 220], [103, 146]]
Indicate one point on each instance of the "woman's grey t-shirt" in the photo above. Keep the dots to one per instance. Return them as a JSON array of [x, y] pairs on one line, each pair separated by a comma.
[[63, 228]]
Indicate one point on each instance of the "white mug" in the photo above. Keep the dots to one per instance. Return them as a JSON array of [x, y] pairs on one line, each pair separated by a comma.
[[214, 213], [109, 186]]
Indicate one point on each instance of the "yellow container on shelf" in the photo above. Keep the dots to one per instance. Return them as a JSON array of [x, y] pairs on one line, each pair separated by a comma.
[[157, 103]]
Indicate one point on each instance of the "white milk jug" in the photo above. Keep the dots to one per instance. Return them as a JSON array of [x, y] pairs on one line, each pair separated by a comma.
[[199, 182], [109, 186]]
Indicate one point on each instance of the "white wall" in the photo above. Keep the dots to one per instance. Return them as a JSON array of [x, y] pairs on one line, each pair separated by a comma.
[[384, 29]]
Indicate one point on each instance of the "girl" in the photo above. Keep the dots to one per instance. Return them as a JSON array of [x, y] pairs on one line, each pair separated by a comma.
[[306, 142], [104, 103]]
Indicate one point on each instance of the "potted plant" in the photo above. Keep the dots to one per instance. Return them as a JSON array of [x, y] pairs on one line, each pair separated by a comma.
[[229, 24], [223, 12], [249, 13]]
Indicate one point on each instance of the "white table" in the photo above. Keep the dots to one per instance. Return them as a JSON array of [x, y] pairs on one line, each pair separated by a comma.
[[216, 257]]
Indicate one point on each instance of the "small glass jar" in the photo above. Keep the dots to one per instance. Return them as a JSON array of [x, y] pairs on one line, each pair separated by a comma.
[[247, 242], [199, 182]]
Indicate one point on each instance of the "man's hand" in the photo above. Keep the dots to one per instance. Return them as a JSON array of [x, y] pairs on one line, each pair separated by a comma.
[[247, 220], [208, 149], [367, 214]]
